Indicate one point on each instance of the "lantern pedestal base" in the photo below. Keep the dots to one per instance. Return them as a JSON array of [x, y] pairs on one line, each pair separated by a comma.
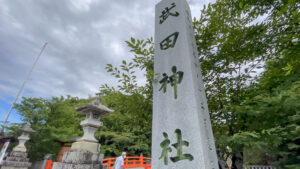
[[82, 157], [86, 146], [20, 149], [80, 160], [16, 160], [78, 166]]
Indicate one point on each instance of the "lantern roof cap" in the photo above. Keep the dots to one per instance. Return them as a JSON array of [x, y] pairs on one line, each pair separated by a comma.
[[96, 107], [27, 129]]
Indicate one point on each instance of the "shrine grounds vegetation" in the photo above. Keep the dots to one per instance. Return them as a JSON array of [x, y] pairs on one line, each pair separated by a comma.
[[53, 120], [249, 53]]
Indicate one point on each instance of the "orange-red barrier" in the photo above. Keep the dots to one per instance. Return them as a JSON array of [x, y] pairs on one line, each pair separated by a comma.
[[130, 162], [49, 164]]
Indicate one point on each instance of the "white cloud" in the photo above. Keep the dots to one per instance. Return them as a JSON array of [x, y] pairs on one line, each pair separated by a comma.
[[82, 5], [83, 36]]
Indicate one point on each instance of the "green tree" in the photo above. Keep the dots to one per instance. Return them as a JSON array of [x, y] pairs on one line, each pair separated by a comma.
[[235, 39], [276, 106], [129, 127], [231, 50], [53, 119]]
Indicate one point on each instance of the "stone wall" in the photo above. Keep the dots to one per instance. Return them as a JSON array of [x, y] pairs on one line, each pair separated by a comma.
[[37, 165]]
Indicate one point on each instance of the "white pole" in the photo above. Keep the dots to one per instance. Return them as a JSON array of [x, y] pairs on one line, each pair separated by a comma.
[[3, 150], [20, 91]]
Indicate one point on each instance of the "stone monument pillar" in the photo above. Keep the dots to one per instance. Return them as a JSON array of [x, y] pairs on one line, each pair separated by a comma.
[[17, 159], [181, 133], [85, 152]]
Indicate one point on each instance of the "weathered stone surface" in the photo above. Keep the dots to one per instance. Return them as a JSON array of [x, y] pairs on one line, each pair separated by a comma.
[[76, 166], [89, 128], [18, 159], [15, 164], [26, 130], [20, 147], [9, 167], [81, 157], [38, 165], [181, 132], [90, 124], [18, 154], [95, 106], [86, 146]]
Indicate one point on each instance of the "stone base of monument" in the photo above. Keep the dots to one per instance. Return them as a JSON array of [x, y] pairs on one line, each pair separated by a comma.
[[82, 157], [86, 146], [77, 166], [80, 160], [16, 160]]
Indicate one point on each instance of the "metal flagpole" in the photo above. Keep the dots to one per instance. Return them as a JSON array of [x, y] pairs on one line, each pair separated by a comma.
[[20, 91]]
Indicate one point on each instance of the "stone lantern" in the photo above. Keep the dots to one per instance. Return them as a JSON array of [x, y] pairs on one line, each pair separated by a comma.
[[17, 159], [26, 131], [85, 152], [93, 111]]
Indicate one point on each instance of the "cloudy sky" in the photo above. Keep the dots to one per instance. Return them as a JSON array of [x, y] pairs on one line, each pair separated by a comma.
[[83, 36]]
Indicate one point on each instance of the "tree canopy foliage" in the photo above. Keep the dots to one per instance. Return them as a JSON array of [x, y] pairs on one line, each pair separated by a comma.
[[129, 127], [249, 52], [53, 120], [235, 39]]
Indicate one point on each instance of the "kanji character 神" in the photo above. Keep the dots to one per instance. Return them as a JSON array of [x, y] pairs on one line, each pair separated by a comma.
[[175, 79]]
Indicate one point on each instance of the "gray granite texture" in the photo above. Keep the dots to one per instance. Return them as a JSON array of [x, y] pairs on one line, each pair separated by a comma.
[[76, 166], [80, 160], [82, 157], [11, 167], [17, 160], [181, 133]]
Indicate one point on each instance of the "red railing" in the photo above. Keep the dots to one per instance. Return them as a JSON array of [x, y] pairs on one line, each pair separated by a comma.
[[130, 162], [49, 164]]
